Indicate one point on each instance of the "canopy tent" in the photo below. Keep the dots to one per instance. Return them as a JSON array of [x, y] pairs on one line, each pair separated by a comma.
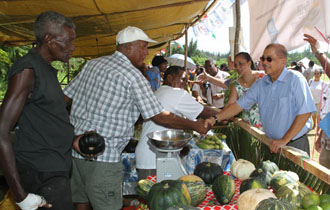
[[305, 61], [98, 21]]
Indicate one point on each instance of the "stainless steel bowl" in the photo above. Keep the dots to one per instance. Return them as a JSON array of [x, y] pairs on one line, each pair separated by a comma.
[[169, 139]]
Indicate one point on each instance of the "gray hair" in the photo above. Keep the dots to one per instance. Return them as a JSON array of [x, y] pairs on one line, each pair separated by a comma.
[[50, 22]]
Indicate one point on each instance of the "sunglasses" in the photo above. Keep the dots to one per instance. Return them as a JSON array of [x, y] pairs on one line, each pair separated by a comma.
[[269, 59]]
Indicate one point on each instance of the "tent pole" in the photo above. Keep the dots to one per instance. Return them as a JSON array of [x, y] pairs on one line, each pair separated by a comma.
[[237, 26], [186, 48], [68, 71]]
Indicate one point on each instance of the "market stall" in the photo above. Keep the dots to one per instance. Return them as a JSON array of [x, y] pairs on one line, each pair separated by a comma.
[[241, 136], [196, 155]]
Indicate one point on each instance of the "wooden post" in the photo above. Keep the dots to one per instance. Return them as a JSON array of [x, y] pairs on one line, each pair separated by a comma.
[[169, 51], [186, 48], [68, 71], [238, 26]]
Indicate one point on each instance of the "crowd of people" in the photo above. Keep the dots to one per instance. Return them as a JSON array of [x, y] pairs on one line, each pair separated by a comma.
[[45, 168]]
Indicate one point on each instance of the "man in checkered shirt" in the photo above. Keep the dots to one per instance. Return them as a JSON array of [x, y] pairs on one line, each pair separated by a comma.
[[108, 96]]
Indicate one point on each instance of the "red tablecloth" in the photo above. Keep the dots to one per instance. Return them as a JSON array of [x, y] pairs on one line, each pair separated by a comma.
[[210, 202]]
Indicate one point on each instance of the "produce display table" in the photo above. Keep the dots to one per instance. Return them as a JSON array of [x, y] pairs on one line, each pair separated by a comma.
[[196, 155], [210, 202]]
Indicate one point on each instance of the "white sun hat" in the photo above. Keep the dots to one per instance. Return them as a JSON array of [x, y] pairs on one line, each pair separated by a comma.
[[131, 34]]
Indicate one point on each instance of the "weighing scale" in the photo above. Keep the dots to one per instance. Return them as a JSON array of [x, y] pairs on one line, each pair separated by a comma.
[[168, 144]]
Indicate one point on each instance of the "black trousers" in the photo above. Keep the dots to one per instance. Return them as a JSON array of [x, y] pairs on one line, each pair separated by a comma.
[[53, 186], [301, 143]]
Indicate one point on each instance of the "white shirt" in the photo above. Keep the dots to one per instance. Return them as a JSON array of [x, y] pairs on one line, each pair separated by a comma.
[[316, 89], [175, 100], [199, 91], [216, 89], [325, 106]]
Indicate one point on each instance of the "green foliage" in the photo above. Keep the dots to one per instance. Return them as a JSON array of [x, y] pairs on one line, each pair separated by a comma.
[[8, 55], [197, 55], [76, 64], [297, 56]]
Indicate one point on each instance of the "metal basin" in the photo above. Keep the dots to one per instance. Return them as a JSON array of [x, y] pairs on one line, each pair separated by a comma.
[[169, 139]]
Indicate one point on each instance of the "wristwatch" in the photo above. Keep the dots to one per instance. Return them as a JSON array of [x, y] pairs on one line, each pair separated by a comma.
[[216, 119]]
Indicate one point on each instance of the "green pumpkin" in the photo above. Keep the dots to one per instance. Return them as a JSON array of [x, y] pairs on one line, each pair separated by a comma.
[[208, 171], [262, 174], [291, 193], [252, 183], [223, 189], [196, 188], [182, 207], [280, 179], [269, 166], [274, 204], [324, 198], [168, 193], [143, 187]]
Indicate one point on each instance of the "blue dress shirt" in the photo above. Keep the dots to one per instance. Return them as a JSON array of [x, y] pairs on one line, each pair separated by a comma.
[[280, 102], [155, 78]]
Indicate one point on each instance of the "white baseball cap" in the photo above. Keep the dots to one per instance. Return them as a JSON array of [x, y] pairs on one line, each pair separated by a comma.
[[131, 34]]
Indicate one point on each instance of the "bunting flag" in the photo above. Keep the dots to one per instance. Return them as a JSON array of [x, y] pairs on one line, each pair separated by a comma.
[[178, 45], [214, 19]]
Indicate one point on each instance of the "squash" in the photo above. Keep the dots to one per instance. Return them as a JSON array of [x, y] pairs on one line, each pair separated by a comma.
[[242, 169], [251, 198], [143, 187], [281, 178], [324, 198], [310, 199], [223, 189], [182, 207], [292, 174], [262, 174], [208, 171], [293, 193], [91, 143], [196, 188], [252, 183], [269, 166], [168, 193], [274, 204]]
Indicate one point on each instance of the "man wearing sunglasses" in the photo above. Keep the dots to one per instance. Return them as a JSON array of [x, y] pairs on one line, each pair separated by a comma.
[[284, 99]]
